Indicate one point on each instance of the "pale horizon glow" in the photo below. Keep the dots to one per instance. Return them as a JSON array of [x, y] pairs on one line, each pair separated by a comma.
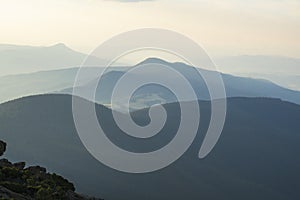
[[270, 27]]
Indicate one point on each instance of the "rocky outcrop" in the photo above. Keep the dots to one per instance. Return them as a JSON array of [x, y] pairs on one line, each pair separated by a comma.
[[19, 182], [2, 147], [7, 194], [19, 165]]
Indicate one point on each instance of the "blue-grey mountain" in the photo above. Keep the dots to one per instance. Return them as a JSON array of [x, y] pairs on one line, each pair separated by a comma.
[[255, 158]]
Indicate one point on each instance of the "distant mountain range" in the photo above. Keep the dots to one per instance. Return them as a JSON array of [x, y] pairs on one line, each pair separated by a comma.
[[16, 86], [260, 63], [62, 81], [15, 59], [281, 70], [154, 94], [255, 158]]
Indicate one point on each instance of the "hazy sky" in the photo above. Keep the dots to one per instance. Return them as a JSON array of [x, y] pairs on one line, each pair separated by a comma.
[[227, 27]]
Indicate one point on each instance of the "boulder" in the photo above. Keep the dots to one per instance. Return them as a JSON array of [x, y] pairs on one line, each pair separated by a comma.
[[19, 165], [5, 163], [2, 147]]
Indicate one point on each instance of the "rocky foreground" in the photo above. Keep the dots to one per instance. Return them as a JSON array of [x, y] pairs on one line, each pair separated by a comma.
[[22, 183]]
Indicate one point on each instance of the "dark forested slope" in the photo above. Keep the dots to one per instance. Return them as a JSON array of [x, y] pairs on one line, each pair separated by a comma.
[[255, 158]]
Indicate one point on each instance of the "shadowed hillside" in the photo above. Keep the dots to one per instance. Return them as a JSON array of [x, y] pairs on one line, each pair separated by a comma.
[[255, 158]]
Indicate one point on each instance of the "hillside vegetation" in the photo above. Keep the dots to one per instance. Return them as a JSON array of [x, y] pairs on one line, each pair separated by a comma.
[[20, 183]]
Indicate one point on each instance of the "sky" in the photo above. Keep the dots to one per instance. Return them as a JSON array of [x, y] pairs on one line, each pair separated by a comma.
[[231, 27]]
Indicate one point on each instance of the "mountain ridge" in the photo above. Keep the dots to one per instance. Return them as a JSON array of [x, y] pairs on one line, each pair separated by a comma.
[[23, 59], [249, 159]]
